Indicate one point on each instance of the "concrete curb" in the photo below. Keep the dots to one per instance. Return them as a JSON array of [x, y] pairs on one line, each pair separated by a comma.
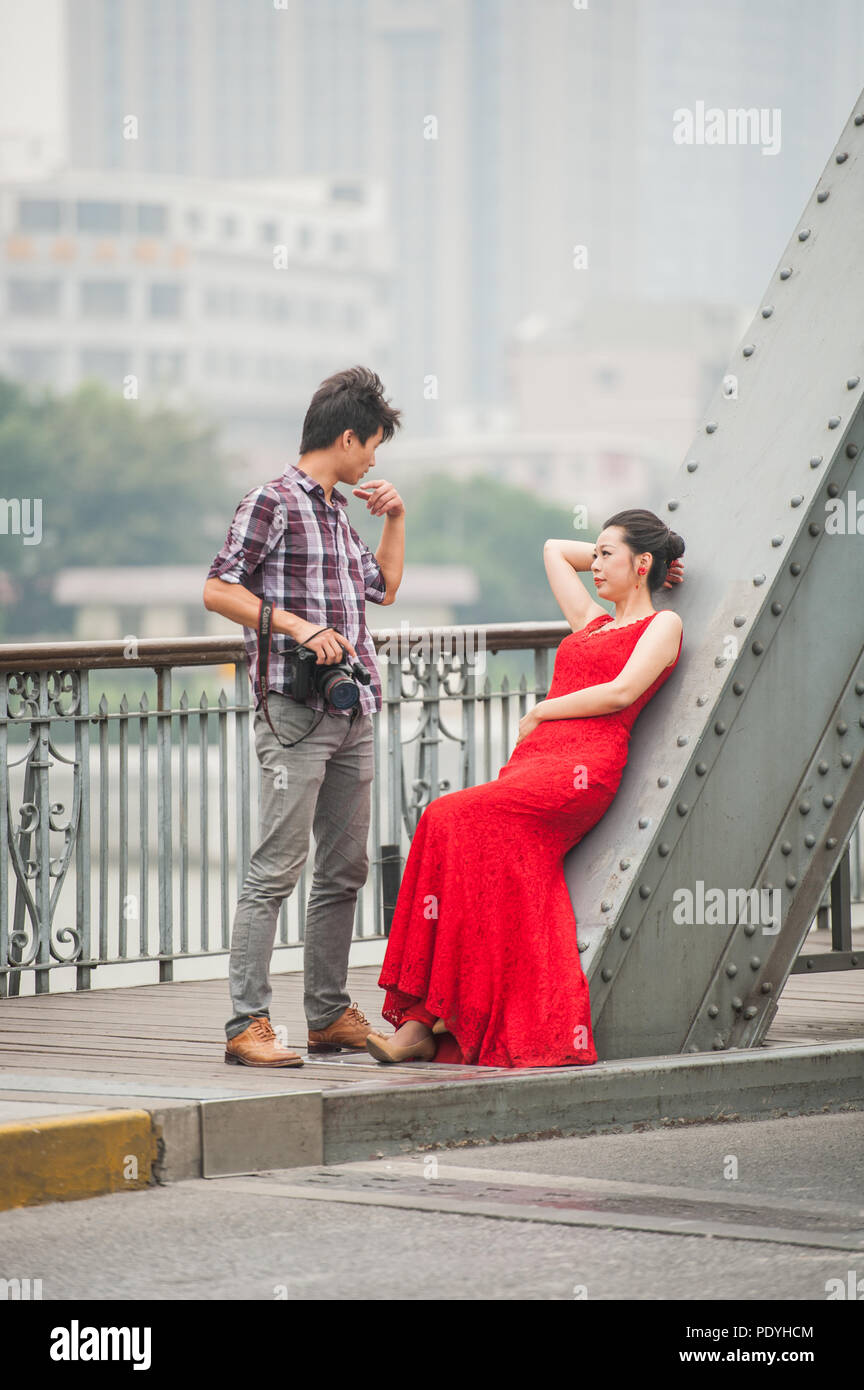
[[86, 1155], [64, 1158]]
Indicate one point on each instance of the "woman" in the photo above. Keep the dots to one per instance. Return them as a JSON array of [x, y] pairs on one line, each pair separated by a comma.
[[482, 965]]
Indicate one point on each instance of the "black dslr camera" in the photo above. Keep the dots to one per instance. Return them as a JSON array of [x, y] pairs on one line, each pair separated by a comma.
[[335, 681]]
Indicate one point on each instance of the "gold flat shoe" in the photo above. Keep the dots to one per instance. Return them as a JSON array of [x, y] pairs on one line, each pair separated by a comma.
[[385, 1050]]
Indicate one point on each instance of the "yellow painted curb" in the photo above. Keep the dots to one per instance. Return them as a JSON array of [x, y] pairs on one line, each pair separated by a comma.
[[73, 1156]]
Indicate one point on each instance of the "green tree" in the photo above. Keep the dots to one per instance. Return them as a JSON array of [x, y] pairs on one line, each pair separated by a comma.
[[118, 485]]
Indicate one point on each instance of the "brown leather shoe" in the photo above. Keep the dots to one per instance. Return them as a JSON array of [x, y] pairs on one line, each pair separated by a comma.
[[256, 1046], [350, 1030]]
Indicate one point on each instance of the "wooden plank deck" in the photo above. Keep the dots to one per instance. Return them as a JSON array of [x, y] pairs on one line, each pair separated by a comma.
[[125, 1046]]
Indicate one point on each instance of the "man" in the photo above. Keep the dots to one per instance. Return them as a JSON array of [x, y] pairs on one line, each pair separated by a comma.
[[291, 543]]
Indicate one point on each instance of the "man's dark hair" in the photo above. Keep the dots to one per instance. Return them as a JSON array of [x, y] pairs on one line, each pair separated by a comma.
[[349, 400]]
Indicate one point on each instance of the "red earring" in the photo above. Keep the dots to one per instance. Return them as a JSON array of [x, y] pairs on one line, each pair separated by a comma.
[[642, 569]]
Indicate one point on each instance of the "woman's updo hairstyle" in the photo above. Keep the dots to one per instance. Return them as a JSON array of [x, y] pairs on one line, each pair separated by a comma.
[[643, 531]]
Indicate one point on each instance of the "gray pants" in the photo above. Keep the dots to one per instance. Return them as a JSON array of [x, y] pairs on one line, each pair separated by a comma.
[[322, 785]]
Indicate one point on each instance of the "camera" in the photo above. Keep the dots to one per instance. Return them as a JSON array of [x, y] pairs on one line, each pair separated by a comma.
[[336, 682]]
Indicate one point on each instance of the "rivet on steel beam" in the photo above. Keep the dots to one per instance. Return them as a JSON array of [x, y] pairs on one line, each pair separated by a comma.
[[737, 1003], [663, 781], [809, 840], [785, 272], [711, 427], [833, 421], [692, 466], [776, 540], [814, 528], [751, 1011], [776, 608], [606, 974], [623, 863], [739, 620], [766, 986], [682, 808], [846, 760], [841, 726], [605, 906], [718, 1044], [816, 460], [767, 311], [822, 767], [738, 687], [791, 881], [720, 727], [795, 568], [804, 807], [749, 928], [581, 945], [663, 849], [859, 687], [859, 119], [831, 842], [644, 890], [731, 970], [682, 740], [841, 158], [672, 504], [701, 769], [803, 234], [713, 1011], [823, 196], [626, 932], [748, 351], [852, 383], [828, 802], [796, 500], [832, 489], [644, 822], [851, 451], [758, 579], [861, 720], [757, 648], [786, 847], [694, 1047], [720, 661]]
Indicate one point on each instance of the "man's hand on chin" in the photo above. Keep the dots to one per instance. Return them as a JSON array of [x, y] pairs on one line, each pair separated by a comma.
[[381, 498]]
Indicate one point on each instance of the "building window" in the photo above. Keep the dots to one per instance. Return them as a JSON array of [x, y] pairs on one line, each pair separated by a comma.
[[36, 365], [105, 363], [99, 217], [194, 220], [104, 299], [34, 296], [269, 233], [229, 226], [152, 219], [166, 301], [167, 368], [39, 215]]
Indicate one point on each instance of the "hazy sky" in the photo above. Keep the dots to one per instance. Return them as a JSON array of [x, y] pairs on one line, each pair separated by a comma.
[[31, 67]]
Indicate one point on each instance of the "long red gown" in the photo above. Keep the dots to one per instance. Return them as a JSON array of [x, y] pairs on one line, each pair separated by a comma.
[[483, 931]]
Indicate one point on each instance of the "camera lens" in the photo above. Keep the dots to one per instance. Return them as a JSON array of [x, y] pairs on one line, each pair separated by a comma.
[[340, 691]]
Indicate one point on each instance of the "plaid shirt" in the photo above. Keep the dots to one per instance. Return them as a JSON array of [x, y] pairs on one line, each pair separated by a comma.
[[286, 542]]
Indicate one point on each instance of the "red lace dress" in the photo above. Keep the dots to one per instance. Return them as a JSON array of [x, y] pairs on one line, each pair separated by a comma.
[[483, 932]]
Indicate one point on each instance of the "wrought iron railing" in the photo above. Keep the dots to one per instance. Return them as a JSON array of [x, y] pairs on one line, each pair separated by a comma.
[[126, 819], [126, 823]]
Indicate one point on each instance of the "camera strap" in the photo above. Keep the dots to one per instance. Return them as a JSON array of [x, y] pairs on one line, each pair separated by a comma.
[[265, 637]]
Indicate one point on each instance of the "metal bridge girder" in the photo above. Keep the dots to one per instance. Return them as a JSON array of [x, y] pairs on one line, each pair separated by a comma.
[[747, 769]]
